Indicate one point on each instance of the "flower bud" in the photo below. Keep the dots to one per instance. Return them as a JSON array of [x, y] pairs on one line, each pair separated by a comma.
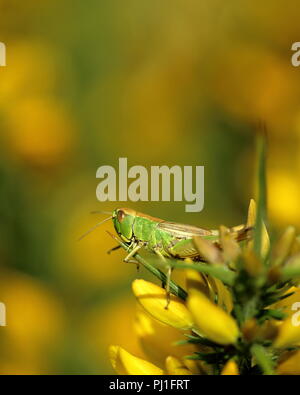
[[211, 320], [230, 369], [125, 363], [288, 334], [175, 367], [154, 300]]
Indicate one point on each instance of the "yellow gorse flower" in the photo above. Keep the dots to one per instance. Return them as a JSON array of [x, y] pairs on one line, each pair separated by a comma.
[[125, 363], [238, 308], [288, 335], [265, 240], [196, 280], [223, 294], [289, 363], [211, 320], [230, 369], [153, 299], [157, 340], [176, 367]]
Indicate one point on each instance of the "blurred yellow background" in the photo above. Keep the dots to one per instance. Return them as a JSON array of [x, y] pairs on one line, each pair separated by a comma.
[[160, 82]]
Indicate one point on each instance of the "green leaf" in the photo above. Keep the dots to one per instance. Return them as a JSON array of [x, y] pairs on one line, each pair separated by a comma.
[[274, 313]]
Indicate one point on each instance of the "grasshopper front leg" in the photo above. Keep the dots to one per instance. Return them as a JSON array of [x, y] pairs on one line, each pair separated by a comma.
[[135, 247], [127, 259], [113, 249], [134, 250]]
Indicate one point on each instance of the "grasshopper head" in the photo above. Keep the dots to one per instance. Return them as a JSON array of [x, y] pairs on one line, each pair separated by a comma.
[[123, 219]]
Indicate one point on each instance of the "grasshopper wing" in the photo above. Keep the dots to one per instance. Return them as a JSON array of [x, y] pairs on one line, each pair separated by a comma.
[[182, 231], [183, 245]]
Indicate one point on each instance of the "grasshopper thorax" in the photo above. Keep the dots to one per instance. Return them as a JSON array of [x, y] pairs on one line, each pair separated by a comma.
[[123, 220]]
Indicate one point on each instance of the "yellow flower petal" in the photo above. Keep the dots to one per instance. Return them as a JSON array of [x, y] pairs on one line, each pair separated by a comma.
[[230, 369], [296, 246], [175, 367], [153, 299], [290, 363], [283, 246], [158, 342], [288, 334], [197, 281], [125, 363], [224, 295], [212, 321], [208, 250], [252, 264], [230, 247], [265, 240], [286, 304], [251, 214], [157, 339], [197, 367]]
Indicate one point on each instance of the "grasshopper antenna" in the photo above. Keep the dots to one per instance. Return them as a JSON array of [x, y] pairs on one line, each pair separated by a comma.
[[93, 228], [100, 212]]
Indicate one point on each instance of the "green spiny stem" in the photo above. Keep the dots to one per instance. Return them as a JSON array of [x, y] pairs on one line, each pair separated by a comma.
[[219, 271], [262, 358], [175, 289], [262, 195]]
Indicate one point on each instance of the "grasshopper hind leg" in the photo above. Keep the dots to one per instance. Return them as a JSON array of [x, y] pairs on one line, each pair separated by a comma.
[[168, 278], [169, 273]]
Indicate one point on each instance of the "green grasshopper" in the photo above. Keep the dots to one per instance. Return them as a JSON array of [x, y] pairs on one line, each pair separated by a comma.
[[165, 239]]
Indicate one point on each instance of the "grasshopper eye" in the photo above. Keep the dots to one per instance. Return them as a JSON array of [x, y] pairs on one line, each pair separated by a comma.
[[121, 215]]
